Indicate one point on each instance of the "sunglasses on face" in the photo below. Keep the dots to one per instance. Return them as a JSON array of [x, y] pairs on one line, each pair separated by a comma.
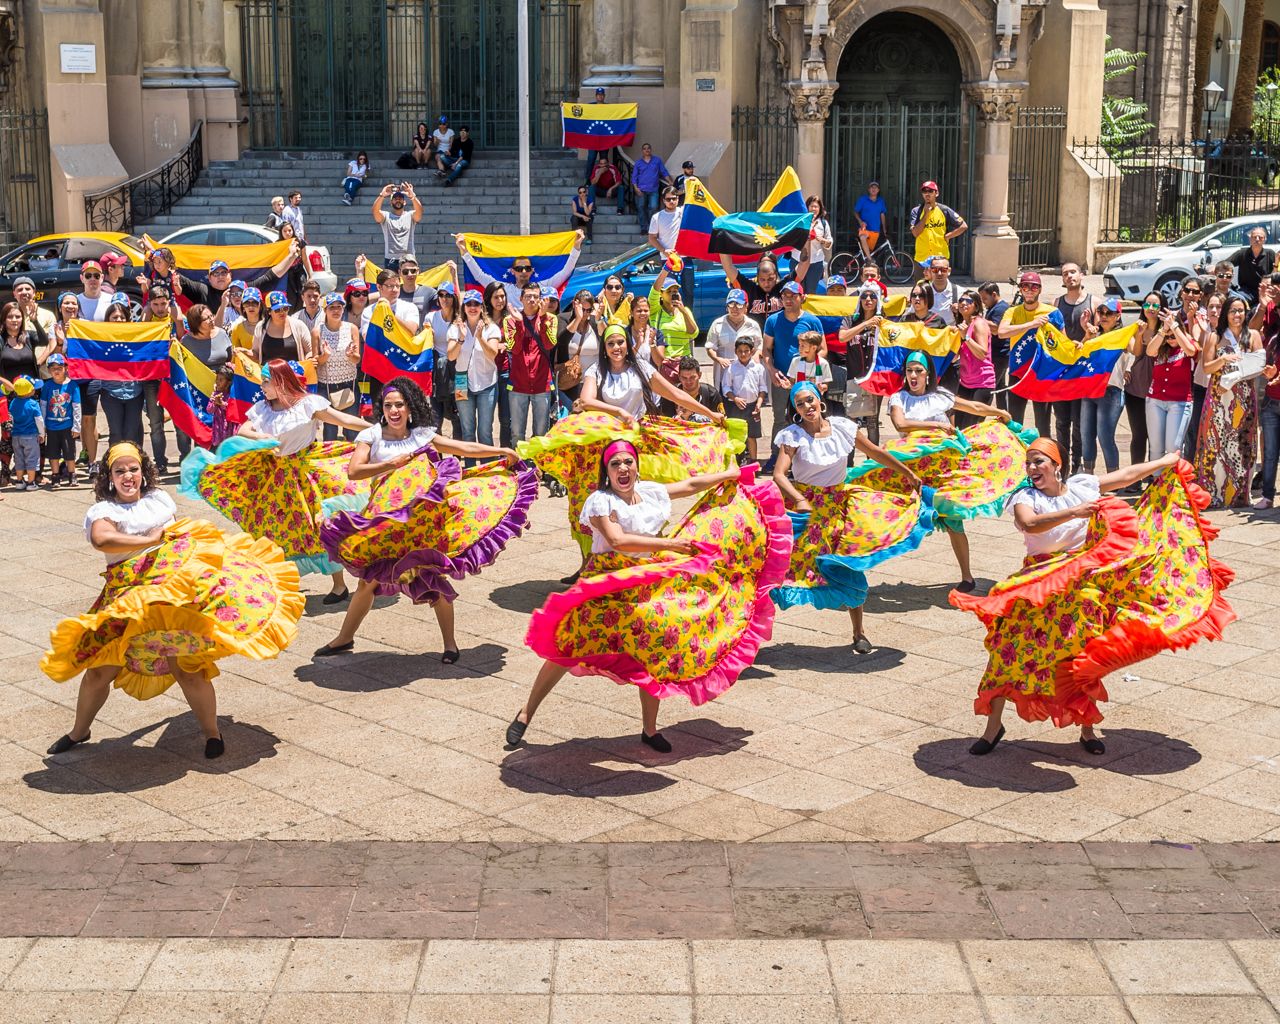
[[964, 302], [409, 273], [669, 199], [1190, 291], [522, 270], [1223, 277], [92, 277], [613, 287], [219, 273], [1151, 305]]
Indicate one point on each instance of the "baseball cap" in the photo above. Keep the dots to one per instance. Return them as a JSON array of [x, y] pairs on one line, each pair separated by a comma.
[[112, 259], [252, 295], [445, 289], [549, 293], [671, 283], [277, 300], [929, 186], [875, 183], [599, 90], [793, 287], [57, 359], [399, 194], [90, 265], [334, 299], [1030, 277], [23, 387], [23, 280], [687, 165], [736, 295], [121, 299], [472, 297], [443, 120], [837, 281], [1110, 305], [218, 265], [357, 284], [235, 286]]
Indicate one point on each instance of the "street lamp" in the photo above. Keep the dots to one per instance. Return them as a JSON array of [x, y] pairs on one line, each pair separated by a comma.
[[1212, 97], [1271, 105]]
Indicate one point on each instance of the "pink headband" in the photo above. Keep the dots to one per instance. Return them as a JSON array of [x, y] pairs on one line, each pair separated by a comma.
[[619, 446]]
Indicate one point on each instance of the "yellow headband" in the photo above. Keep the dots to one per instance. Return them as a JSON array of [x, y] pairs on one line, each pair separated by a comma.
[[119, 451]]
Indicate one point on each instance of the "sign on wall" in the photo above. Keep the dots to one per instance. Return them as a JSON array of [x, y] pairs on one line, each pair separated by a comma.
[[79, 58]]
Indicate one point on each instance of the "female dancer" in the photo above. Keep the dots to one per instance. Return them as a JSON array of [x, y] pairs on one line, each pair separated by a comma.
[[630, 619], [1228, 442], [922, 405], [177, 597], [459, 521], [828, 557], [273, 479], [626, 385], [1103, 586]]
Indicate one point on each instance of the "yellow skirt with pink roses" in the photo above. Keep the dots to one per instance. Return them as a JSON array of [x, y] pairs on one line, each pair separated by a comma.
[[431, 521], [670, 450], [671, 623], [1143, 582], [196, 597]]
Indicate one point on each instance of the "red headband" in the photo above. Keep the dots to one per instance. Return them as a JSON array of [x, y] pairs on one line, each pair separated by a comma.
[[619, 446]]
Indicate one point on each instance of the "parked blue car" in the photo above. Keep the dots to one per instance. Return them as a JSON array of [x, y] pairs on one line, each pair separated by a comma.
[[639, 268]]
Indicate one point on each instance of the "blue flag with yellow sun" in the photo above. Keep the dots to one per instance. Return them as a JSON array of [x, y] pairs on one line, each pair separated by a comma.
[[749, 234]]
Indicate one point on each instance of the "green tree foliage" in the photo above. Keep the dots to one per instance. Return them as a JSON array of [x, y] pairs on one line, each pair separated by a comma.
[[1124, 119]]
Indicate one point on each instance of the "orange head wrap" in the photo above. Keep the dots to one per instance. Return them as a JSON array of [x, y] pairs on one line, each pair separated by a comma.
[[1046, 447]]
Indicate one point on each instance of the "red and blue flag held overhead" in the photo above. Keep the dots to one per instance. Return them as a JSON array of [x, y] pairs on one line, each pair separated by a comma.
[[598, 125]]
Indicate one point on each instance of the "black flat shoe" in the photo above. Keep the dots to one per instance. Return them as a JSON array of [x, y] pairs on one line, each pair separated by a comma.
[[1094, 746], [981, 748], [214, 747], [66, 743], [449, 657], [571, 580], [329, 650], [336, 598], [965, 586], [657, 742], [515, 731], [862, 646]]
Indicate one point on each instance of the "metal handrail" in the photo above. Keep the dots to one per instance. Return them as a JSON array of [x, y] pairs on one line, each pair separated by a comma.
[[122, 207]]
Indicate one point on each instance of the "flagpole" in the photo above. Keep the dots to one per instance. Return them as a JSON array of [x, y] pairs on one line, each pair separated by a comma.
[[522, 32]]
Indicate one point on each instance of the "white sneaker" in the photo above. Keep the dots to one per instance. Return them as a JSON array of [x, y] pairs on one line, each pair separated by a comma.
[[1263, 503]]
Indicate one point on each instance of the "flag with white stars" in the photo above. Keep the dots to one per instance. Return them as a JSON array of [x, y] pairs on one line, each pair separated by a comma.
[[117, 351]]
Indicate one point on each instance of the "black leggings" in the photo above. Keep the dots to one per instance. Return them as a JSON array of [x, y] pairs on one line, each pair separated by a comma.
[[983, 395], [1040, 410], [1135, 411]]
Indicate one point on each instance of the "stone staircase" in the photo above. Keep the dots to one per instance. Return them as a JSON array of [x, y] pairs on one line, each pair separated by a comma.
[[484, 199]]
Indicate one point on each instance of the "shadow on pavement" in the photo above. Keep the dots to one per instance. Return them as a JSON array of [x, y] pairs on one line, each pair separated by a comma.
[[836, 656], [372, 671], [527, 597], [1017, 765], [117, 764], [908, 597]]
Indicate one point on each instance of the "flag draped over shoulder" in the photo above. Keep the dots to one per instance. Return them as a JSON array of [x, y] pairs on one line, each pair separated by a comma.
[[246, 385], [700, 211], [549, 254], [750, 234], [897, 341], [117, 351], [391, 351], [598, 125], [185, 395], [1050, 367]]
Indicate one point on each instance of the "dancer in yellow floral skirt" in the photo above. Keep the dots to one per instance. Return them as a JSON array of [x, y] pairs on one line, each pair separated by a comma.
[[1103, 586], [178, 596]]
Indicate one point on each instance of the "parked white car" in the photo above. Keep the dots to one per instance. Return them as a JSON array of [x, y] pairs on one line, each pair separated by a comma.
[[253, 234], [1162, 268]]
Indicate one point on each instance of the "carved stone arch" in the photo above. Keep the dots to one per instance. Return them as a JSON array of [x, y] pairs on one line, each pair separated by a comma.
[[967, 23]]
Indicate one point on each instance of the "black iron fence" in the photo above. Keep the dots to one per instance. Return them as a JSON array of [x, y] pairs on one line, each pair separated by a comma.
[[150, 195], [1157, 190], [764, 143], [26, 197], [1035, 165]]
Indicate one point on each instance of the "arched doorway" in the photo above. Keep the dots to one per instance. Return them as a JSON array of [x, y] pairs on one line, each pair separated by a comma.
[[897, 119]]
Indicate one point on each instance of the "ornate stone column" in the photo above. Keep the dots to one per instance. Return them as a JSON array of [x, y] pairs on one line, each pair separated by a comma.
[[995, 243], [208, 45], [626, 52], [164, 51], [811, 97]]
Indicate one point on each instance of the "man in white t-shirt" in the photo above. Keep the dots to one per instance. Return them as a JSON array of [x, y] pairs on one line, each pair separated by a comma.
[[664, 226]]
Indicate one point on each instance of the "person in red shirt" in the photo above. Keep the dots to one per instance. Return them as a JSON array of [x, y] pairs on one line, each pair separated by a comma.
[[531, 340], [607, 182]]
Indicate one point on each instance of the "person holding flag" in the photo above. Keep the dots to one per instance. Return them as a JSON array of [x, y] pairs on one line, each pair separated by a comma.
[[521, 269]]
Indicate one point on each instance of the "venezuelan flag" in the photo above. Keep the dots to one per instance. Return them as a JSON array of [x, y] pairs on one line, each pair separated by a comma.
[[114, 351], [831, 311], [897, 341], [245, 261], [246, 385], [549, 254], [432, 278], [1053, 368], [701, 210], [598, 125], [185, 395], [390, 351]]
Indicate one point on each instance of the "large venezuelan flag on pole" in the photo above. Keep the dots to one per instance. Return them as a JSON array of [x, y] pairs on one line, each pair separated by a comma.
[[391, 351], [115, 351], [701, 210], [548, 253], [897, 341], [1050, 367], [598, 125], [246, 385], [185, 395]]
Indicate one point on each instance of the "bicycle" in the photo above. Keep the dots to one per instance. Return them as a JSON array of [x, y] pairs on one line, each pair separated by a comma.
[[896, 265]]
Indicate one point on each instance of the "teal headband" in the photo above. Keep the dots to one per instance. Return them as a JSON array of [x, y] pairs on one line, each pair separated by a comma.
[[917, 357], [802, 386]]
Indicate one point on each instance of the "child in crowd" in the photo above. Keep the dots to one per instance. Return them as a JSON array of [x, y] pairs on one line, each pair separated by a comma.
[[60, 406], [218, 406], [28, 431], [808, 365], [745, 390]]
